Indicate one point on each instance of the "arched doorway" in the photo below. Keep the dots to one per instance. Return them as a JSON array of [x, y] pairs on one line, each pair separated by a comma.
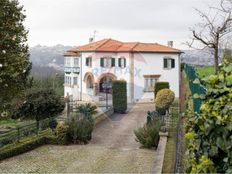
[[105, 82], [89, 82]]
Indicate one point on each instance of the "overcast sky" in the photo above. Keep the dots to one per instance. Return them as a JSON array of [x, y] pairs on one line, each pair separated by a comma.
[[72, 22]]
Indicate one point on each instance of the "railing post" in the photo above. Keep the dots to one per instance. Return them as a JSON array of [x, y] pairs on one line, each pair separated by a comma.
[[37, 127], [18, 134]]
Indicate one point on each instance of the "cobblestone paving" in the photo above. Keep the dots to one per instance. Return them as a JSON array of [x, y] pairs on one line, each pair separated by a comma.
[[112, 150]]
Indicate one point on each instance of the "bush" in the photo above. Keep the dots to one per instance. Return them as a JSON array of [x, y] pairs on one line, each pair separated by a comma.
[[80, 129], [27, 144], [159, 86], [164, 100], [61, 133], [87, 109], [148, 135], [209, 133], [40, 104], [119, 96]]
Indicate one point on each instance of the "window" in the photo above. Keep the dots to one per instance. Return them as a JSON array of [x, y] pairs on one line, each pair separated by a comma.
[[107, 62], [74, 80], [67, 61], [68, 80], [88, 61], [150, 84], [76, 62], [169, 63], [122, 62]]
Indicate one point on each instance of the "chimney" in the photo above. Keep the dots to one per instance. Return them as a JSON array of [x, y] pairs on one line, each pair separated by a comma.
[[90, 39], [170, 44]]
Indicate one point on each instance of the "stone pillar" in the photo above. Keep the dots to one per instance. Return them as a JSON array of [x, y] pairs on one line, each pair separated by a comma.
[[96, 89]]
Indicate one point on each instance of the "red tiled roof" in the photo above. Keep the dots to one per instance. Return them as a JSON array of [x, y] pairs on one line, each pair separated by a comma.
[[69, 53], [110, 45]]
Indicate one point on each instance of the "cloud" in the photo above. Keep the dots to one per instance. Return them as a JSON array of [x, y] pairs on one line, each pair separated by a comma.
[[53, 21]]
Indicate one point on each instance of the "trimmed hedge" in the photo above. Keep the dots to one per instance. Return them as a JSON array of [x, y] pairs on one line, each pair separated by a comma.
[[27, 144], [119, 96], [159, 86]]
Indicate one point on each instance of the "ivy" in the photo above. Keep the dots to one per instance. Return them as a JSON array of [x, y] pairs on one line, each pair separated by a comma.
[[209, 133]]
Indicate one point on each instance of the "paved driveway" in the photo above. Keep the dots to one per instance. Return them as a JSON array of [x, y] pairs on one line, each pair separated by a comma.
[[113, 149]]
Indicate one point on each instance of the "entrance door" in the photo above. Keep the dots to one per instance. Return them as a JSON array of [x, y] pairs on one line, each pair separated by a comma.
[[106, 80]]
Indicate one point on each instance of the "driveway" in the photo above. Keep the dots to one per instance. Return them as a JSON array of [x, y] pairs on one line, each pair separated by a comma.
[[113, 149]]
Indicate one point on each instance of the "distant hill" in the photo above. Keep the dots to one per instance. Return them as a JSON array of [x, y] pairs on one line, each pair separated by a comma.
[[199, 57], [47, 60]]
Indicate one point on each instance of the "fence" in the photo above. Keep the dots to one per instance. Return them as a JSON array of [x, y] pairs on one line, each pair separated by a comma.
[[14, 135], [194, 87]]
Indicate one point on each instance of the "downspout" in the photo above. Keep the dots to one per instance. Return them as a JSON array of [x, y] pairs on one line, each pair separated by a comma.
[[132, 76], [81, 80]]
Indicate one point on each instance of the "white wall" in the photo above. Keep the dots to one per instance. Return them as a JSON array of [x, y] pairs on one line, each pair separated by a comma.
[[97, 70], [144, 64], [150, 63], [71, 89]]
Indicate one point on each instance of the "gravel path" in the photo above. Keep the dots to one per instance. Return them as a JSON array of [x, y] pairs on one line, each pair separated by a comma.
[[113, 149]]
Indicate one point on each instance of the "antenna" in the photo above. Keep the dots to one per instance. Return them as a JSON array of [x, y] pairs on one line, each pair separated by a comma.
[[94, 34]]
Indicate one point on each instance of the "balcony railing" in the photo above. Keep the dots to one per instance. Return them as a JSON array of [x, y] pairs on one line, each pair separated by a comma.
[[69, 70]]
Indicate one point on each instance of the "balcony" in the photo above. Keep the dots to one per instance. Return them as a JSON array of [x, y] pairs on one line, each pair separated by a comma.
[[69, 70]]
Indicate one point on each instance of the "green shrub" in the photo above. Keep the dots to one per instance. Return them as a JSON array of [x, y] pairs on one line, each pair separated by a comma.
[[26, 144], [159, 86], [164, 100], [40, 104], [62, 133], [80, 129], [119, 96], [208, 133], [87, 109], [148, 135]]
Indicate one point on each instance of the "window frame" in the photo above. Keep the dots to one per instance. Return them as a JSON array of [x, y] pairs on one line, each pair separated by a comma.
[[169, 63], [147, 83], [107, 62], [88, 61], [122, 64]]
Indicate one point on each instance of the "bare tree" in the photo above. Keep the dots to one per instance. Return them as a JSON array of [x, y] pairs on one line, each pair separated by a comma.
[[215, 25]]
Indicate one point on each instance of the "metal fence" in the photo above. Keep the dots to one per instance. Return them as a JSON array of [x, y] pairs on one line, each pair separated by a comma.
[[195, 88], [15, 134]]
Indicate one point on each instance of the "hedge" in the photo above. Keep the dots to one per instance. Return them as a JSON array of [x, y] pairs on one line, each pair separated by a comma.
[[27, 144], [119, 96], [159, 86]]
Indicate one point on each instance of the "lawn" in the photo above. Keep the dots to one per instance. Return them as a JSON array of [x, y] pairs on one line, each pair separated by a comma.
[[204, 71], [170, 151]]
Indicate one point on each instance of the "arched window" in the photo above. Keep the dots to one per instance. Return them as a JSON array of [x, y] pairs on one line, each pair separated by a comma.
[[89, 82]]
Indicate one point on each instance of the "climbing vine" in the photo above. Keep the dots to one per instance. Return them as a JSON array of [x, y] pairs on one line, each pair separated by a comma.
[[209, 133]]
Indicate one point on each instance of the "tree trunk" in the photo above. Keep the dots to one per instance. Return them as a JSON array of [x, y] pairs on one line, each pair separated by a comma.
[[216, 60]]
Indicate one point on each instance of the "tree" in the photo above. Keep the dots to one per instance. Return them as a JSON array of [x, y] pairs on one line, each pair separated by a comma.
[[214, 27], [14, 58], [40, 104]]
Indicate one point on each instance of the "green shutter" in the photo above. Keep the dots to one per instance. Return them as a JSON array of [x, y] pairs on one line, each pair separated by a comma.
[[102, 62], [112, 62], [86, 61], [165, 63], [124, 62], [173, 63], [119, 62]]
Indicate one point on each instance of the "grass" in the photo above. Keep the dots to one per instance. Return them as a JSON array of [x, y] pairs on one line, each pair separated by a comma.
[[205, 71], [9, 121], [15, 122], [170, 151]]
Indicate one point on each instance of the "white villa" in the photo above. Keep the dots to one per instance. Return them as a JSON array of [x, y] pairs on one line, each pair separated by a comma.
[[90, 67]]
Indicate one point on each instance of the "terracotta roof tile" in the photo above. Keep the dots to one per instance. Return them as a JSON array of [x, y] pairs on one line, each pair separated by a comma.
[[111, 45], [69, 53]]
